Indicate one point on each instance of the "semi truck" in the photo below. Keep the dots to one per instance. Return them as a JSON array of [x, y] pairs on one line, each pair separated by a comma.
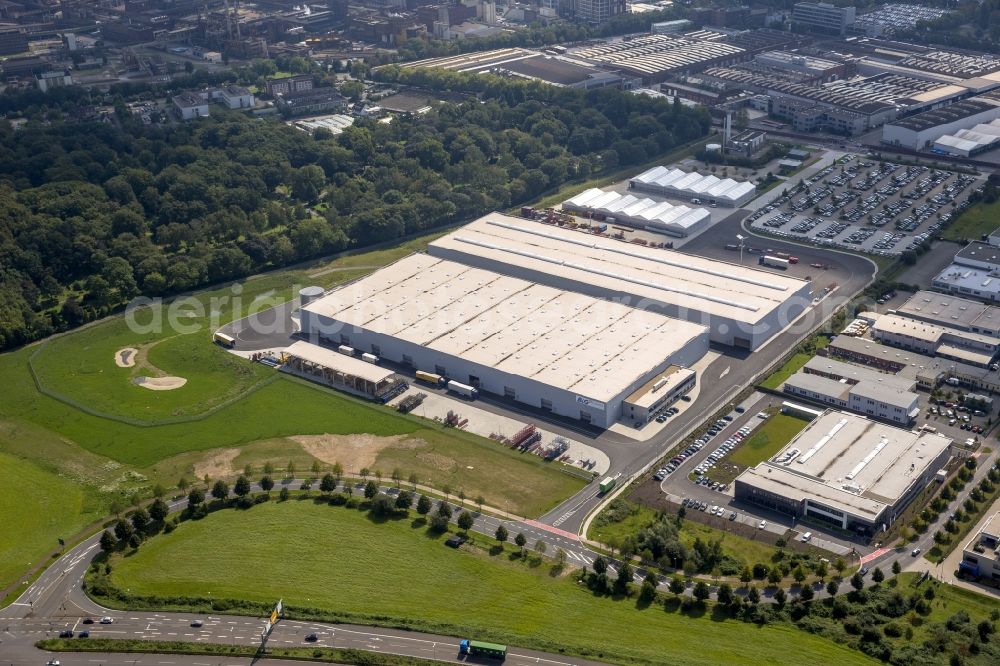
[[773, 262], [463, 389], [607, 484], [430, 378], [482, 649]]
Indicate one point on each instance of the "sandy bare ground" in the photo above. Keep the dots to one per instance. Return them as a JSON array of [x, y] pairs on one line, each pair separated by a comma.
[[125, 358], [160, 383], [219, 465], [352, 451]]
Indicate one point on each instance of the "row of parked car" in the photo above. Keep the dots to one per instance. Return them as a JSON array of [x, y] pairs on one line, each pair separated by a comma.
[[723, 449]]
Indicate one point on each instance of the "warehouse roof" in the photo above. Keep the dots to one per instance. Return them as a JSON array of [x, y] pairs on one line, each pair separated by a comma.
[[951, 311], [644, 211], [918, 330], [855, 373], [694, 183], [593, 347], [945, 114], [694, 283], [850, 463], [979, 251], [657, 53], [980, 281], [334, 360]]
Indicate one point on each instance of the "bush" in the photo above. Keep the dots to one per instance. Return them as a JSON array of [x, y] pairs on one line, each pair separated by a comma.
[[892, 630], [438, 524]]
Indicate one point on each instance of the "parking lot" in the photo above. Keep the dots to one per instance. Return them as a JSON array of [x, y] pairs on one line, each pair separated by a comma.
[[862, 205]]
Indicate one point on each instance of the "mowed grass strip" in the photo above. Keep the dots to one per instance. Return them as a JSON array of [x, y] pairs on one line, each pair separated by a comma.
[[334, 558], [768, 439], [36, 508]]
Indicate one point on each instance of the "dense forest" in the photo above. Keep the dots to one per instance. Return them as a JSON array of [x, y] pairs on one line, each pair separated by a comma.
[[93, 214]]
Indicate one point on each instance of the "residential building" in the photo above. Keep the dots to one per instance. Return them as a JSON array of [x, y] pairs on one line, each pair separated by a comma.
[[56, 79], [288, 84], [316, 100], [598, 11]]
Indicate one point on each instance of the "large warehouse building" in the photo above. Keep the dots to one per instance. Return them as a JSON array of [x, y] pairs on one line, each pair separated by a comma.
[[846, 470], [644, 213], [694, 186], [743, 307], [563, 352]]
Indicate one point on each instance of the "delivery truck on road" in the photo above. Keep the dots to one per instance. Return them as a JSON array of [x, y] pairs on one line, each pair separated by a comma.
[[607, 484], [482, 649]]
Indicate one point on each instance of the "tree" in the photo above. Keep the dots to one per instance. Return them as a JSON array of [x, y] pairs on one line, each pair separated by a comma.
[[701, 591], [316, 469], [753, 595], [159, 491], [540, 547], [424, 505], [371, 490], [140, 519], [480, 500], [338, 470], [746, 575], [501, 535], [821, 570], [857, 582], [676, 586], [833, 587], [404, 500], [108, 542], [725, 594], [521, 540], [284, 494], [806, 593], [196, 496], [396, 476], [266, 483], [561, 557], [158, 510], [799, 574], [290, 470], [600, 565], [839, 565], [327, 484], [780, 597], [413, 480], [182, 484], [465, 521], [444, 510], [242, 486], [123, 529], [220, 490], [896, 568], [877, 575]]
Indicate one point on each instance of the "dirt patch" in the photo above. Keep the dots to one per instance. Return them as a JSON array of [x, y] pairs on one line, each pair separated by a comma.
[[125, 358], [217, 466], [443, 463], [353, 451], [160, 383]]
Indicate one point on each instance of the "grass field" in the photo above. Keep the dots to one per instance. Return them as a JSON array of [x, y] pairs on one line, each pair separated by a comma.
[[388, 572], [37, 508], [977, 220], [243, 412], [792, 365], [738, 548], [768, 440]]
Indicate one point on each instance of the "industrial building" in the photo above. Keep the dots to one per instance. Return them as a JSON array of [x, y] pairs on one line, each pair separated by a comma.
[[644, 213], [855, 388], [934, 340], [562, 352], [957, 313], [846, 471], [920, 131], [743, 307], [823, 17], [342, 371], [657, 57], [697, 188], [929, 372], [981, 555], [973, 273]]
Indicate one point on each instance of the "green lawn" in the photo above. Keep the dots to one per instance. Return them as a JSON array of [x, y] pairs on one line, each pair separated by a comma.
[[37, 507], [736, 547], [103, 459], [978, 219], [767, 440], [390, 573], [792, 365]]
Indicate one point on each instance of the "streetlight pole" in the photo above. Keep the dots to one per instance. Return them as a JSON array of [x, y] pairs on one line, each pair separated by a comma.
[[742, 240]]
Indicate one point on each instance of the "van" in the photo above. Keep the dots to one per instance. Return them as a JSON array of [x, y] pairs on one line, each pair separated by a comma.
[[805, 537], [696, 201]]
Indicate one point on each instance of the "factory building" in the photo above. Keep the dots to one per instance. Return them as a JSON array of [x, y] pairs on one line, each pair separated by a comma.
[[823, 17], [656, 58], [973, 273], [847, 471], [643, 213], [934, 340], [694, 187], [562, 352], [921, 131], [743, 307]]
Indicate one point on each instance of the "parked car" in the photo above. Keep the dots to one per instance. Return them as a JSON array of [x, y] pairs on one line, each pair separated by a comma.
[[762, 524]]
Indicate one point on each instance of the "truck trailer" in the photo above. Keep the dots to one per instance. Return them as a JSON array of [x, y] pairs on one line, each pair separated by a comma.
[[773, 262], [482, 649], [430, 378], [463, 389]]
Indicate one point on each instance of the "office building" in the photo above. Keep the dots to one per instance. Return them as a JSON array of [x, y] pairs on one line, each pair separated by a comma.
[[823, 17]]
